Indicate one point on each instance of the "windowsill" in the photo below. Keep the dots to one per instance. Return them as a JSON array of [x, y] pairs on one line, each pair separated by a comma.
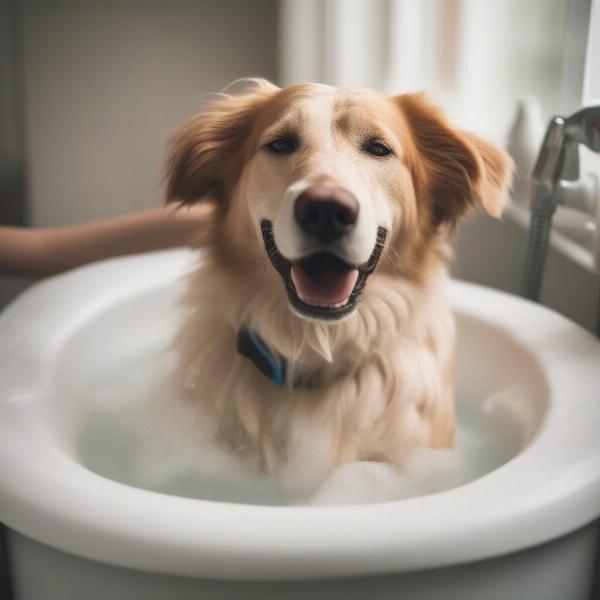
[[563, 219]]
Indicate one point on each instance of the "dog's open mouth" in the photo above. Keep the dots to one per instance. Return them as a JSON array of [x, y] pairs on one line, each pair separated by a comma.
[[322, 285], [323, 280]]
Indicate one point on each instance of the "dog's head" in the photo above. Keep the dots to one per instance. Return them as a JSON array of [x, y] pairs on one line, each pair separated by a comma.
[[325, 181]]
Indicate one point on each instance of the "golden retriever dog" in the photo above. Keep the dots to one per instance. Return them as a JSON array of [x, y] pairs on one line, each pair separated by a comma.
[[317, 330]]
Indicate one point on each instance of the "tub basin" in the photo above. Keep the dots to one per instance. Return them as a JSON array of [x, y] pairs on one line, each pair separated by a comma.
[[539, 498]]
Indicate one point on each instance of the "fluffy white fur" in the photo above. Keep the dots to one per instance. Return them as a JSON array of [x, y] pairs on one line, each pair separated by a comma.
[[385, 369], [384, 373]]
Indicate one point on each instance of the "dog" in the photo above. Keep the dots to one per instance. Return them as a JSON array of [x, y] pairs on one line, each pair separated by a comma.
[[317, 330]]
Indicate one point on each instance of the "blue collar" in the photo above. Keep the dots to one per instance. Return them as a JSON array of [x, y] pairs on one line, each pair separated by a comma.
[[272, 365]]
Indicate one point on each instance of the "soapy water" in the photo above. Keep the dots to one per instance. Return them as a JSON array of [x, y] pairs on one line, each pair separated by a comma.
[[124, 412]]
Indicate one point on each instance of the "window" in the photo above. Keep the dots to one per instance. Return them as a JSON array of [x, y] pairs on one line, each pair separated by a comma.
[[502, 69]]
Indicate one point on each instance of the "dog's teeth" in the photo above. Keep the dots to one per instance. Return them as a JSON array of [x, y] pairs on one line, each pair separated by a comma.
[[339, 304], [317, 305]]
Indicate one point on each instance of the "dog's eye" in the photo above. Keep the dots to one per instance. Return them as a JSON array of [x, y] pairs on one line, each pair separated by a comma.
[[283, 145], [376, 148]]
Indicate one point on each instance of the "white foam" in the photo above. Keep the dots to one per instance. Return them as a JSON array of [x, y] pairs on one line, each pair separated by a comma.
[[130, 430], [425, 472]]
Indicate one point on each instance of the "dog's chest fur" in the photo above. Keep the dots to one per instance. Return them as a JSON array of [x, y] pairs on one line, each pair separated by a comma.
[[385, 381]]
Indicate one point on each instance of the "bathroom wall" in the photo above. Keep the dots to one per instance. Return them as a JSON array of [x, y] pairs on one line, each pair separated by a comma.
[[106, 82], [492, 252]]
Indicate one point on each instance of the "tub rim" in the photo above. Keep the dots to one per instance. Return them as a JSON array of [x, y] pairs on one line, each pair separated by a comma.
[[552, 487]]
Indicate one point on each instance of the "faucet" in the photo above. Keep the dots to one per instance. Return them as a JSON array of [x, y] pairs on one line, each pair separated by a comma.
[[557, 164]]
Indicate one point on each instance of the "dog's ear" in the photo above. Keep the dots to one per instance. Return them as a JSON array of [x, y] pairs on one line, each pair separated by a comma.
[[455, 169], [206, 152]]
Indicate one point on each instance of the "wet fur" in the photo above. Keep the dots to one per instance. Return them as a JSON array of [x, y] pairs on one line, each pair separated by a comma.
[[385, 373]]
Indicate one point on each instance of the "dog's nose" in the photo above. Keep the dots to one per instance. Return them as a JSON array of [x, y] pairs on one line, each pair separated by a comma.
[[326, 212]]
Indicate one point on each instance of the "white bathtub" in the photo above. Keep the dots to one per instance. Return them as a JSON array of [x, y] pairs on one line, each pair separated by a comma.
[[526, 530]]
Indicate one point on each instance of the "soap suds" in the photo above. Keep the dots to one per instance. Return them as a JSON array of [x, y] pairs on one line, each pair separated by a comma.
[[130, 430]]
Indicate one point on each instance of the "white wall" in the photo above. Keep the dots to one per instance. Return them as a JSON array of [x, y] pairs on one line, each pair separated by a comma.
[[492, 252], [107, 81]]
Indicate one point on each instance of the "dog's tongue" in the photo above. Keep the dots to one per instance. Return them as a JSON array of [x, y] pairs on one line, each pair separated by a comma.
[[324, 280]]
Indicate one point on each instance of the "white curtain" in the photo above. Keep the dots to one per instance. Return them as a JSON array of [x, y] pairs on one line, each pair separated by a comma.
[[488, 63], [338, 42], [474, 57]]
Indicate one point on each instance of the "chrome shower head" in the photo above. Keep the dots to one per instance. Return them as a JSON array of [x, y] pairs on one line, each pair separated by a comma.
[[559, 154], [558, 159], [583, 127]]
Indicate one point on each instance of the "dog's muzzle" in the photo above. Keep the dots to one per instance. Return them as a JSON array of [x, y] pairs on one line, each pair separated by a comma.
[[322, 285]]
